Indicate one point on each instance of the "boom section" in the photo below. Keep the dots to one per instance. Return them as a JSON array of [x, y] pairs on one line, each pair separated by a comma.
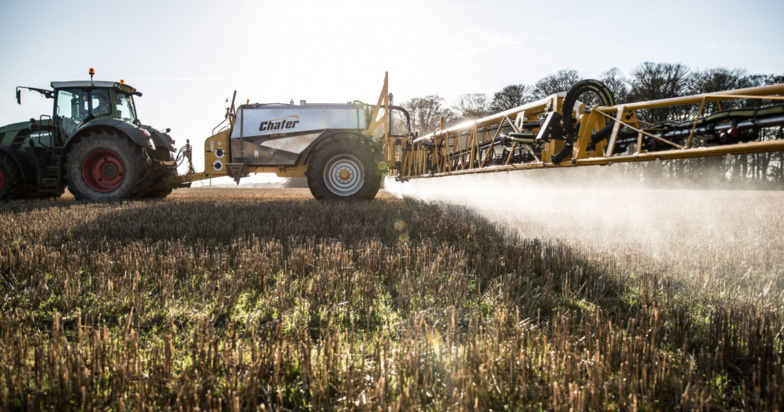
[[563, 131]]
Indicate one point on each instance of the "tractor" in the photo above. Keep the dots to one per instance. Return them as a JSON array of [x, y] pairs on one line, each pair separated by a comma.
[[93, 144]]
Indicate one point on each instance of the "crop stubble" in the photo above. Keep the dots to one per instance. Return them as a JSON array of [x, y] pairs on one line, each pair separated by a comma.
[[246, 299]]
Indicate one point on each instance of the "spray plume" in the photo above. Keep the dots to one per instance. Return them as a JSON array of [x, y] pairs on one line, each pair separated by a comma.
[[686, 230]]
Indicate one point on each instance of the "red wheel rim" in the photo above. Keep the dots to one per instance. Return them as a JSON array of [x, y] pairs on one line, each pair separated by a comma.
[[103, 171], [2, 179]]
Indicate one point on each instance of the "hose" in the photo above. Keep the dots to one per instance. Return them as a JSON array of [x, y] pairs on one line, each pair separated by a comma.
[[567, 110]]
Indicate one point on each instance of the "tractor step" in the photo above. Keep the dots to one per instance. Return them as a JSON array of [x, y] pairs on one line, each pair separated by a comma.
[[49, 171]]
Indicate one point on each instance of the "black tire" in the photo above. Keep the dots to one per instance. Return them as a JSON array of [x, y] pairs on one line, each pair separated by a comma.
[[106, 166], [343, 169], [10, 178], [161, 185]]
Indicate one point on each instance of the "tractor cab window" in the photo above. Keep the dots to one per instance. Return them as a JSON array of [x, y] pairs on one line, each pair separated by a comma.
[[125, 108], [72, 104], [72, 108], [100, 102]]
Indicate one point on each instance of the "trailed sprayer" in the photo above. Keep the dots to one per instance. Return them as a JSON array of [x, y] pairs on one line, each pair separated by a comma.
[[344, 149]]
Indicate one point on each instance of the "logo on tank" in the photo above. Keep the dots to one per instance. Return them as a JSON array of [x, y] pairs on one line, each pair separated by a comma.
[[284, 123]]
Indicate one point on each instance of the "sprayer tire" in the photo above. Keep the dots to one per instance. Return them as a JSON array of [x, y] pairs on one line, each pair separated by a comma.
[[105, 166], [10, 178], [343, 169]]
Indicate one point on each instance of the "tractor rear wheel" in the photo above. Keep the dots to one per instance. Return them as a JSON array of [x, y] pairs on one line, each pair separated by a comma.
[[106, 166], [343, 170], [10, 178]]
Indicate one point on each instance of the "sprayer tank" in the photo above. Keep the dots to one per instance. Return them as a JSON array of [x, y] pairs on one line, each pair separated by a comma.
[[278, 134]]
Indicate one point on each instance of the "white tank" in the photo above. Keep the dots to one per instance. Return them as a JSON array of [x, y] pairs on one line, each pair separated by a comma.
[[277, 134]]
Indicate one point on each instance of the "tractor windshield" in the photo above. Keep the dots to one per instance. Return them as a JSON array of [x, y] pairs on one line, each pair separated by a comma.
[[125, 108]]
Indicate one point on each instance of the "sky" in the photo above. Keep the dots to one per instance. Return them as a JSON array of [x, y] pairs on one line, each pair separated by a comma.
[[187, 57]]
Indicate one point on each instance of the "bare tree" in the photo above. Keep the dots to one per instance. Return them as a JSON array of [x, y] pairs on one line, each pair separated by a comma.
[[426, 113], [755, 80], [617, 83], [510, 97], [555, 83], [653, 81], [716, 80], [470, 106]]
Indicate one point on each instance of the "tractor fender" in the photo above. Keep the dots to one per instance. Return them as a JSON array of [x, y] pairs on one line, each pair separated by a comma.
[[161, 139], [25, 166], [131, 131], [331, 135]]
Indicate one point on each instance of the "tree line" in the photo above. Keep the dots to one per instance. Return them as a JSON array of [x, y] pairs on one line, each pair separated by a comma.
[[648, 81]]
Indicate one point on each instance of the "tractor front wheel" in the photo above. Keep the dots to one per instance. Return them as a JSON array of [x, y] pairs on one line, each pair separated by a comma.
[[106, 166], [343, 170], [10, 178]]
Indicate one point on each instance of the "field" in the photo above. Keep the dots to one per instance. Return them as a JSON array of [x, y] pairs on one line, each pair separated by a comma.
[[247, 299]]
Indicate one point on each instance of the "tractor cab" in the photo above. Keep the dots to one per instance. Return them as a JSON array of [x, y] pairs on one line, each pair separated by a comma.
[[78, 103]]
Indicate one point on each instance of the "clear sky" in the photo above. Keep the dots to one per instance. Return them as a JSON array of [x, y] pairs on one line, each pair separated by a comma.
[[188, 56]]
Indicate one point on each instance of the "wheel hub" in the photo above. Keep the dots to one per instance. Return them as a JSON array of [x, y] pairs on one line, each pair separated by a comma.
[[2, 179], [344, 175], [110, 171], [103, 171]]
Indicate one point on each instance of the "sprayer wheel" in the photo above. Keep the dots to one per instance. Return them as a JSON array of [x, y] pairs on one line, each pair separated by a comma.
[[10, 178], [343, 170], [106, 166]]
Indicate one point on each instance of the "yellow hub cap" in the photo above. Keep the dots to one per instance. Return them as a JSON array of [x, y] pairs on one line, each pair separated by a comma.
[[344, 175]]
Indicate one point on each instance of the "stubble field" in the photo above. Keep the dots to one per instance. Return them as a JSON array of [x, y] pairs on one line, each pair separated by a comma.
[[248, 299]]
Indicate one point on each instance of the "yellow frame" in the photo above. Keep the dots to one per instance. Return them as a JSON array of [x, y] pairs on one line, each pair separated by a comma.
[[451, 156]]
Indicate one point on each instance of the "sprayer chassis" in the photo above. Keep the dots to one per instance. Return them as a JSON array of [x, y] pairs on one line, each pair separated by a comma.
[[334, 146]]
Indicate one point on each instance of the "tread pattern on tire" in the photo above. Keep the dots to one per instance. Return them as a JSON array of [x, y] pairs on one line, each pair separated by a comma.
[[137, 178], [160, 182], [12, 188]]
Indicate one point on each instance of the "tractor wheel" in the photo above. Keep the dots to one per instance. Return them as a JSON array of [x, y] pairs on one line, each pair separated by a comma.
[[343, 170], [106, 166], [161, 185], [10, 179]]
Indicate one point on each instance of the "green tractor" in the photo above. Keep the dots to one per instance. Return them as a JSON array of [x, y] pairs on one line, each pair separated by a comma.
[[93, 143]]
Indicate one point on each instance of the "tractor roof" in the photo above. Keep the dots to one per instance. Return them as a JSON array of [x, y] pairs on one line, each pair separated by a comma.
[[81, 83], [95, 84]]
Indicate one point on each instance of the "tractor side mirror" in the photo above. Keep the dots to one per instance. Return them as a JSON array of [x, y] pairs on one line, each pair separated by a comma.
[[18, 96]]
